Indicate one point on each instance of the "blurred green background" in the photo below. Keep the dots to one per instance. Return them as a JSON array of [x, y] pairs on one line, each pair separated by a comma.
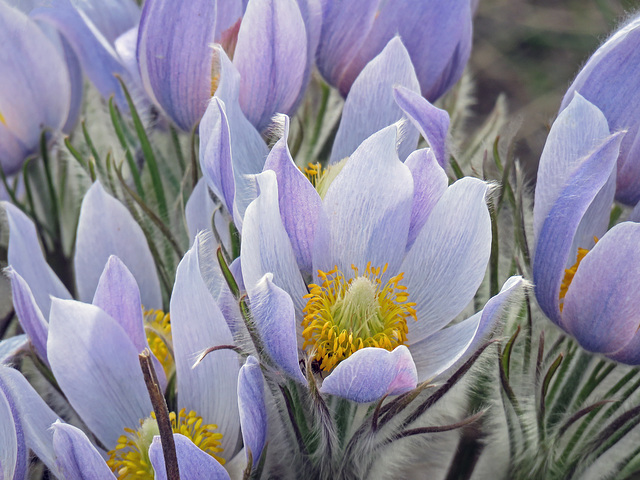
[[531, 50]]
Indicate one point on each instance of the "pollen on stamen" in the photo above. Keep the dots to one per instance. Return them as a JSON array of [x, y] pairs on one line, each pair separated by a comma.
[[158, 330], [569, 273]]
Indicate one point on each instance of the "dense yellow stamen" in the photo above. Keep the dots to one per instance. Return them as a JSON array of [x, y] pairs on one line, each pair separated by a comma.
[[314, 172], [569, 273], [2, 120], [129, 460], [215, 81], [157, 325], [343, 316]]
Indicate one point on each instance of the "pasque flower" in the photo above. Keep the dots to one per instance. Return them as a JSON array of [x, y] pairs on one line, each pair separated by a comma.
[[589, 289]]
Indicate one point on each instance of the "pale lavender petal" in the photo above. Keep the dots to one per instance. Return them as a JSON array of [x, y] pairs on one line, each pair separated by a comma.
[[31, 319], [601, 307], [371, 373], [175, 56], [634, 216], [228, 13], [253, 411], [299, 202], [370, 105], [265, 244], [199, 210], [12, 346], [193, 463], [430, 181], [97, 368], [77, 458], [271, 56], [76, 83], [440, 351], [369, 207], [197, 324], [107, 228], [432, 122], [448, 260], [32, 417], [26, 258], [275, 319], [111, 17], [13, 152], [14, 453], [215, 153], [311, 11]]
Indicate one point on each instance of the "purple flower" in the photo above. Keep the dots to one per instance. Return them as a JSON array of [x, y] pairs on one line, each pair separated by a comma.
[[588, 290], [607, 81], [436, 34]]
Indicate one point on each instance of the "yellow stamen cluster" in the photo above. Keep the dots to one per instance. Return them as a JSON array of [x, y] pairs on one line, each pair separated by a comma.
[[157, 325], [129, 460], [569, 273], [2, 120], [343, 316], [314, 172], [215, 81]]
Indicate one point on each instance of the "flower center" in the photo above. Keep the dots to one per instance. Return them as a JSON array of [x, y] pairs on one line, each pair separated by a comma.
[[569, 273], [342, 316], [321, 178], [157, 325], [129, 460], [2, 120]]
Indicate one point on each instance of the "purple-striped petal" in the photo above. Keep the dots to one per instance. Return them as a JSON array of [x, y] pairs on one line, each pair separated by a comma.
[[271, 56], [199, 210], [370, 105], [371, 373], [275, 319], [197, 324], [111, 17], [14, 453], [97, 367], [448, 260], [432, 122], [253, 411], [193, 463], [175, 56], [107, 228], [76, 457]]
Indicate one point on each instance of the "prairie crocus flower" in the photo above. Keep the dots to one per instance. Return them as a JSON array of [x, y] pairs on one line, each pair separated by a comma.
[[606, 81], [271, 44], [366, 271], [586, 288], [35, 92], [437, 36]]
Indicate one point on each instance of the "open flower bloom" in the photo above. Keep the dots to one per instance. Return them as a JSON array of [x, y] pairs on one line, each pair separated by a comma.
[[588, 290], [437, 35], [272, 44], [365, 270], [606, 80], [35, 92]]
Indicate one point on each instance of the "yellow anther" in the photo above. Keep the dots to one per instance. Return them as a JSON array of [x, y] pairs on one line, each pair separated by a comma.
[[569, 273], [158, 328]]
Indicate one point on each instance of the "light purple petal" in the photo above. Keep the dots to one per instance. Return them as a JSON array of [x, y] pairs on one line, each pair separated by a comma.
[[429, 184], [432, 122], [265, 244], [111, 17], [14, 453], [311, 11], [275, 319], [175, 56], [370, 105], [107, 228], [199, 210], [601, 307], [26, 257], [197, 324], [10, 347], [253, 411], [368, 206], [438, 352], [299, 202], [32, 417], [29, 314], [448, 260], [76, 82], [371, 373], [77, 458], [97, 368], [193, 463], [229, 12], [215, 153]]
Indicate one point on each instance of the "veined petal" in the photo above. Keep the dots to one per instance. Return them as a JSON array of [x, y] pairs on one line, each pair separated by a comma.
[[601, 307], [199, 210], [368, 206], [228, 13], [176, 57], [370, 105], [371, 373], [311, 11], [299, 202], [448, 260], [197, 324], [271, 56], [193, 463], [14, 452], [107, 228], [97, 368], [26, 258], [77, 458], [253, 411], [432, 122], [111, 17]]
